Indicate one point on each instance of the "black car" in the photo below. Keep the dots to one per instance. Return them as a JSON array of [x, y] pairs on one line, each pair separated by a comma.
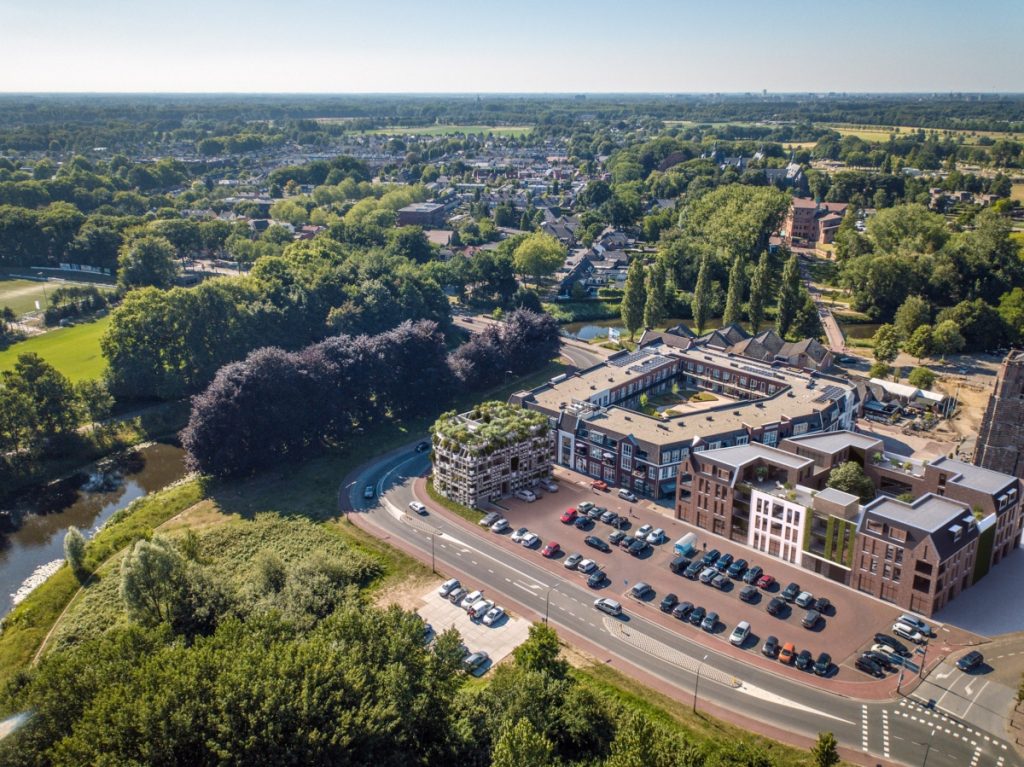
[[881, 659], [709, 559], [422, 447], [638, 547], [693, 570], [749, 594], [775, 606], [751, 575], [868, 666], [668, 602], [970, 661], [737, 568], [620, 523], [682, 610], [596, 543], [596, 579], [823, 664], [697, 615], [770, 648], [608, 516], [616, 538], [791, 592], [823, 605], [804, 660], [583, 523], [626, 541], [897, 646], [679, 564], [723, 562]]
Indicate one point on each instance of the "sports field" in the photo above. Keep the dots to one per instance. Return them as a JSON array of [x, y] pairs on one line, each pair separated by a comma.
[[74, 351], [445, 130], [21, 295]]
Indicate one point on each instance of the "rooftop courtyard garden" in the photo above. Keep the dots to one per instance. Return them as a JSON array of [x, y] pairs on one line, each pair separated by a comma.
[[489, 426]]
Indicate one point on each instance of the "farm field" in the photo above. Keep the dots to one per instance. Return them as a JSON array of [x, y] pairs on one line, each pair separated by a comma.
[[444, 130], [74, 351], [881, 133]]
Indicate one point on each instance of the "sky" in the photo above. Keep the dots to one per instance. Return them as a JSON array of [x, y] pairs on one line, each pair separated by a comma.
[[529, 46]]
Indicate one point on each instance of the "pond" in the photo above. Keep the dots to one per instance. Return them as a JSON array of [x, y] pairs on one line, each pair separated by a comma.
[[34, 550], [859, 329]]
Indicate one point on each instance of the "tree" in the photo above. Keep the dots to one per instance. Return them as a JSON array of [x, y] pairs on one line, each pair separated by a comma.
[[920, 343], [879, 370], [521, 745], [825, 752], [850, 478], [734, 298], [701, 304], [540, 652], [1011, 309], [48, 393], [946, 338], [147, 260], [807, 321], [655, 308], [538, 255], [759, 286], [912, 314], [886, 343], [74, 552], [634, 298], [789, 295], [922, 378]]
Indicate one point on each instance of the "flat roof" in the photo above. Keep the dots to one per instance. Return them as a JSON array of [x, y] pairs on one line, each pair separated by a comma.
[[928, 513], [834, 441], [833, 495], [741, 455], [975, 477]]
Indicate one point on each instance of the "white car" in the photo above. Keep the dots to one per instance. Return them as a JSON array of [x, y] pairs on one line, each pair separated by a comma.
[[586, 566], [500, 526], [643, 532], [550, 485], [606, 605], [626, 495], [471, 598], [479, 609], [526, 495], [530, 540], [740, 633], [494, 615], [908, 632], [418, 507], [656, 536], [448, 587], [517, 536], [572, 561]]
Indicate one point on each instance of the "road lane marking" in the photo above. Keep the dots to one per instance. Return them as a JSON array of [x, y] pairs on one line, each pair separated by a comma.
[[885, 733], [864, 728]]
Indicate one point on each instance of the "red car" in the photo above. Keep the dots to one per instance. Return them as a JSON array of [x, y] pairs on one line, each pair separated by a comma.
[[599, 484], [551, 550], [568, 516], [765, 581]]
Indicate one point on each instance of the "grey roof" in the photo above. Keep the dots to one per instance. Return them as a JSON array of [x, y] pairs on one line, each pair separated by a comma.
[[928, 513], [835, 441], [975, 477], [740, 455], [832, 495]]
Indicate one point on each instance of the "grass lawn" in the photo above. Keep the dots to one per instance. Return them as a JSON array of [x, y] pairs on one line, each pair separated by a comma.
[[21, 295], [445, 130], [881, 133], [74, 351], [1017, 192]]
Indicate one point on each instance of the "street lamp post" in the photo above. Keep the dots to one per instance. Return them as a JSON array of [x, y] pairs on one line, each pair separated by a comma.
[[696, 685], [924, 659], [927, 748], [547, 601]]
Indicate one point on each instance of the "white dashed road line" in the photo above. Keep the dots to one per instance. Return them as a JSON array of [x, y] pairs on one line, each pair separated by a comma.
[[885, 733], [864, 728]]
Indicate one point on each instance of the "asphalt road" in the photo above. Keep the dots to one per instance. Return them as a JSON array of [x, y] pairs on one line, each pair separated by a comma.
[[895, 731]]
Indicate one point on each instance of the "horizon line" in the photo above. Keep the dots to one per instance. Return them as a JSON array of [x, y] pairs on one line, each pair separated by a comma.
[[549, 94]]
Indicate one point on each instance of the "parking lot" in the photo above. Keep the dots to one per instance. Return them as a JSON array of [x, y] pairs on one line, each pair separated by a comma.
[[497, 640], [843, 629]]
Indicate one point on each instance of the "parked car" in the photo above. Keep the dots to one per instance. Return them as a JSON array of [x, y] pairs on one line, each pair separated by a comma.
[[549, 485], [471, 598], [787, 654], [586, 566], [456, 595], [609, 516], [668, 602], [749, 594], [583, 522], [740, 633], [644, 531], [678, 564], [479, 609], [770, 648], [596, 579], [584, 507], [488, 519], [642, 590], [708, 574], [868, 666], [810, 619], [710, 621], [656, 536], [572, 560], [907, 632], [493, 615], [626, 495], [500, 526], [369, 492], [804, 599], [448, 586], [970, 661], [737, 568], [823, 605], [638, 547], [422, 447], [720, 581], [517, 535], [791, 592], [568, 516], [615, 538], [897, 646], [594, 512], [418, 507], [620, 523], [596, 543], [474, 661], [723, 562], [526, 495], [693, 570], [599, 484], [916, 623], [551, 550], [626, 541], [765, 582], [879, 653], [804, 660], [697, 615], [775, 606], [753, 574], [709, 557], [609, 606], [682, 610]]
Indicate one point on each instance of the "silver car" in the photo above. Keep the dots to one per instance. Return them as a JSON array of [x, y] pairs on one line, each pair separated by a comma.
[[572, 560]]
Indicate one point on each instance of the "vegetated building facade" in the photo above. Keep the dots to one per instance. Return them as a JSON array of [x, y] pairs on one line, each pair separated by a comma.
[[601, 432], [1001, 437], [935, 529], [490, 452]]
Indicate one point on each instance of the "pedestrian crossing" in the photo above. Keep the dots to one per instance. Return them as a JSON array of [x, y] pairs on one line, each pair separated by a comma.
[[917, 711]]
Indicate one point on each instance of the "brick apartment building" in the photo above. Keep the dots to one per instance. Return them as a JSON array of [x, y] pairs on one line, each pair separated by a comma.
[[809, 222], [1000, 443]]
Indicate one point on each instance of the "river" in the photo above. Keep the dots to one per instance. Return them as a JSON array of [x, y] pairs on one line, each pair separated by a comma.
[[36, 548]]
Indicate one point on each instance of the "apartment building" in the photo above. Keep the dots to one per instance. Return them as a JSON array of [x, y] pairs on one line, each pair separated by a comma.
[[809, 222], [489, 452]]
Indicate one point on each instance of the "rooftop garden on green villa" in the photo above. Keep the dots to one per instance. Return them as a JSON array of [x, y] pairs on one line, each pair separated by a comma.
[[487, 427]]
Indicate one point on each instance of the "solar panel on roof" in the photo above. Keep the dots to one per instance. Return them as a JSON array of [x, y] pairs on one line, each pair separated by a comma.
[[630, 358], [830, 392]]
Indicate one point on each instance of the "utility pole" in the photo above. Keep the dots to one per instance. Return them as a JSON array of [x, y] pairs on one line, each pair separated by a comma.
[[547, 601], [696, 684]]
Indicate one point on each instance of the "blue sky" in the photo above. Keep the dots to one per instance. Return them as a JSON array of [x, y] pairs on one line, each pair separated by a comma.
[[527, 46]]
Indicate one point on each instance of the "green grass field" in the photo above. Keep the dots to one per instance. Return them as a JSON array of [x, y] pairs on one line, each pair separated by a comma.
[[881, 133], [21, 295], [445, 130], [73, 351]]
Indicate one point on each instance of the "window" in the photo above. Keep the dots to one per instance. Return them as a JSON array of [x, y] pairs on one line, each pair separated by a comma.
[[742, 440], [889, 552], [799, 428]]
